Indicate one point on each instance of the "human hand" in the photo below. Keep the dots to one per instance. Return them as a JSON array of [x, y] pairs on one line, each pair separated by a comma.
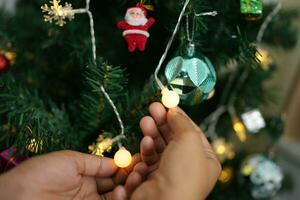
[[180, 161], [66, 175]]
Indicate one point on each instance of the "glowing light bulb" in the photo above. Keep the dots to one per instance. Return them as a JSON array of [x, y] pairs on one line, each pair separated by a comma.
[[239, 129], [247, 170], [226, 175], [221, 149], [170, 99], [211, 95], [122, 158]]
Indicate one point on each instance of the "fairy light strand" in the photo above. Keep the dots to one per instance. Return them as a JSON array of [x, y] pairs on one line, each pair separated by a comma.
[[94, 50], [267, 21], [214, 117], [163, 57], [60, 13]]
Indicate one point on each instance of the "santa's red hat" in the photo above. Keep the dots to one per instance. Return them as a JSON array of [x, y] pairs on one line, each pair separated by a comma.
[[139, 6]]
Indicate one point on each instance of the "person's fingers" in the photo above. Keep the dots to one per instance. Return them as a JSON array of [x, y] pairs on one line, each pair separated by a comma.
[[91, 165], [135, 159], [159, 114], [179, 110], [148, 152], [107, 184], [132, 182], [149, 128], [119, 193], [180, 124], [94, 196], [142, 169], [213, 162], [215, 170]]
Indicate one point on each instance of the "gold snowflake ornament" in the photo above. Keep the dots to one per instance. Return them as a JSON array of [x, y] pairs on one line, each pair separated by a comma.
[[58, 13]]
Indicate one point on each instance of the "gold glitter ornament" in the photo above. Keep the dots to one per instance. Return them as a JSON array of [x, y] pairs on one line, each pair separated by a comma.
[[264, 58], [102, 145], [58, 13], [239, 128], [34, 145], [10, 55]]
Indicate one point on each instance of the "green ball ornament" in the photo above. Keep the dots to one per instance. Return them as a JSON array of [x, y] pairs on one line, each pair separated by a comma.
[[192, 76]]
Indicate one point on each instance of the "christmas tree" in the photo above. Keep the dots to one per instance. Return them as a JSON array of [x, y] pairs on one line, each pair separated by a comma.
[[77, 75]]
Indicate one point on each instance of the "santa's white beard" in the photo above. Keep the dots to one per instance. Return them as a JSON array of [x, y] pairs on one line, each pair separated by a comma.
[[135, 22]]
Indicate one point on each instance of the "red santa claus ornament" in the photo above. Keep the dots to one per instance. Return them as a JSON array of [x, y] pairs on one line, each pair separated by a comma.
[[135, 27]]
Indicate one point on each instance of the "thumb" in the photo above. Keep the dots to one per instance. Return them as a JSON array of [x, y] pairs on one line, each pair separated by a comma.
[[180, 124], [91, 165]]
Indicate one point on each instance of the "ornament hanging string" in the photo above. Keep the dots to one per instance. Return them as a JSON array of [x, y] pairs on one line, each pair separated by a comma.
[[163, 57], [190, 37], [169, 44]]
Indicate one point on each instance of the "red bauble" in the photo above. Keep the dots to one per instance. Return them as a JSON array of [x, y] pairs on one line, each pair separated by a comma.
[[4, 64]]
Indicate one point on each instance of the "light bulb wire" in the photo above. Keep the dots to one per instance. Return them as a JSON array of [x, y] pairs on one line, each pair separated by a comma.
[[94, 51], [214, 117], [266, 23], [169, 44]]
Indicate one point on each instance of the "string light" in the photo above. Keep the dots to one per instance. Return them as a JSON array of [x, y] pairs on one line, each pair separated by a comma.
[[263, 56], [239, 129], [167, 94], [59, 13], [211, 94], [122, 158], [226, 175], [247, 170], [223, 149], [163, 57], [170, 99]]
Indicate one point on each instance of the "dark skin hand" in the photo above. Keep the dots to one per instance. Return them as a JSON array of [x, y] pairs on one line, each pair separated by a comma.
[[66, 175], [178, 160]]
